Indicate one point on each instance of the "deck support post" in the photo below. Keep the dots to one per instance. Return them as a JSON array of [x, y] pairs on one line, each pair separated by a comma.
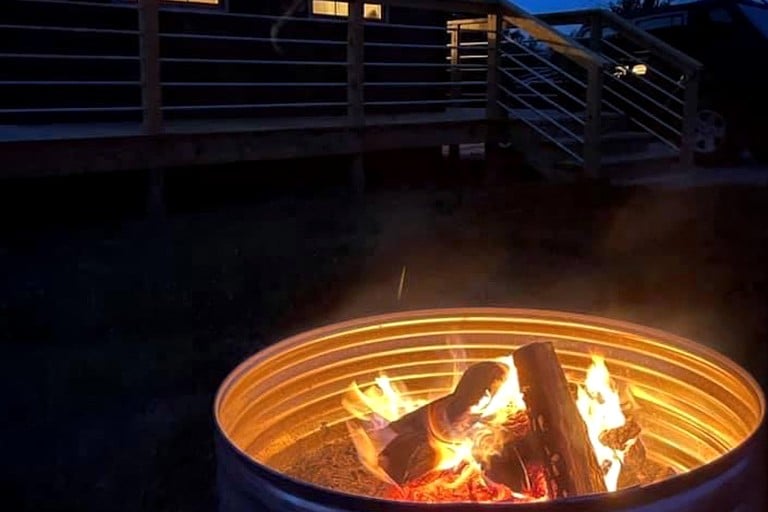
[[592, 127], [690, 109], [355, 85], [156, 193]]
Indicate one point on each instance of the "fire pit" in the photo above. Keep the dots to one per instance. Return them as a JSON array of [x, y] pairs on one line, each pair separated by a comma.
[[498, 409]]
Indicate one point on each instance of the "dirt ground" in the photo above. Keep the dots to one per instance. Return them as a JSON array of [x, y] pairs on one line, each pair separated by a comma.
[[117, 329]]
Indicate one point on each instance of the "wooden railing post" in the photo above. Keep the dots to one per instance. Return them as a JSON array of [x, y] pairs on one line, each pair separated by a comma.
[[592, 126], [494, 27], [355, 62], [455, 32], [596, 32], [355, 84], [149, 48], [690, 110], [493, 111]]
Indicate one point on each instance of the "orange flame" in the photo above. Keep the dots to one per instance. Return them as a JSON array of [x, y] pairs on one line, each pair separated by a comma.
[[599, 404], [387, 400]]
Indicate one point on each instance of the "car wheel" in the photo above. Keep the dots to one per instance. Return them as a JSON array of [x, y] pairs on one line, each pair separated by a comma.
[[710, 142]]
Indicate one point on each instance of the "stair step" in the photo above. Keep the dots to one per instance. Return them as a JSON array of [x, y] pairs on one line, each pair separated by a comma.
[[653, 152], [617, 136], [610, 121], [533, 116]]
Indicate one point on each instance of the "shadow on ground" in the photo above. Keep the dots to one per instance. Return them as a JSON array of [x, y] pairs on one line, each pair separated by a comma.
[[118, 329]]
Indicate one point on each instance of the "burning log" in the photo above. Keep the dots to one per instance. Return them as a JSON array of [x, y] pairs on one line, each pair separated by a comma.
[[619, 438], [410, 454], [556, 424], [637, 469]]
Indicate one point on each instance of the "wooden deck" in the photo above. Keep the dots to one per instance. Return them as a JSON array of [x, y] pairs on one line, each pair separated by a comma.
[[61, 149], [220, 67]]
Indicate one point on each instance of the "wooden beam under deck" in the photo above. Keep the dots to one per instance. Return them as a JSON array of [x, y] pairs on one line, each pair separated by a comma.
[[210, 143]]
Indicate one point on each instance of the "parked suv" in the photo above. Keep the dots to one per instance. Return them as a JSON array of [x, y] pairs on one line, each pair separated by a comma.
[[730, 38]]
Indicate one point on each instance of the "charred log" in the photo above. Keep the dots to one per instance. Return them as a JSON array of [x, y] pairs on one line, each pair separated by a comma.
[[410, 454], [619, 438], [556, 425]]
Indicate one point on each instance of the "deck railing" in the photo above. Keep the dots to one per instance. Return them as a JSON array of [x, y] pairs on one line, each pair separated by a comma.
[[145, 63], [651, 82]]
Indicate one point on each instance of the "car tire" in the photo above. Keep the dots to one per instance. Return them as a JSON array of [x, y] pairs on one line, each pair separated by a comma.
[[711, 142]]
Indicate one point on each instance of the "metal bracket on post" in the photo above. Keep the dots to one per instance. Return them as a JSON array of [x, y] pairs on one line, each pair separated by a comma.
[[690, 109], [355, 84]]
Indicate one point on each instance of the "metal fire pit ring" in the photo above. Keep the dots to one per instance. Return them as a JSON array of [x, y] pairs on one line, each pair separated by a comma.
[[704, 414]]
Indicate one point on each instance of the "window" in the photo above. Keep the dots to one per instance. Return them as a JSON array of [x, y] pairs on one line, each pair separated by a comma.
[[329, 8]]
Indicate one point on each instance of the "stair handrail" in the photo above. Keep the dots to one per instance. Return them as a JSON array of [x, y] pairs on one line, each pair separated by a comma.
[[549, 35], [590, 60], [660, 47], [689, 67]]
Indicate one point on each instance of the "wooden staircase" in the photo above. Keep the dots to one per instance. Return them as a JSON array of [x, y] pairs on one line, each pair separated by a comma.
[[568, 110], [621, 145]]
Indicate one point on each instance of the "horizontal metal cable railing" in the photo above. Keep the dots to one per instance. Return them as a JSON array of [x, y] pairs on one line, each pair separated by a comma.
[[652, 84], [56, 65], [84, 62], [217, 62]]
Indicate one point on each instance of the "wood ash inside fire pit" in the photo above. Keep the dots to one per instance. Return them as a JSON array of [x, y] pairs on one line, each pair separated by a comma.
[[335, 465]]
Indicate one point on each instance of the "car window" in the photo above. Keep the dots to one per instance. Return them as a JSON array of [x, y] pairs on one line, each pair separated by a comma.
[[587, 32], [664, 21], [758, 16]]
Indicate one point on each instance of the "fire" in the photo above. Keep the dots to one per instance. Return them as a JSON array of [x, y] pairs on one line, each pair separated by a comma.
[[461, 456], [507, 399], [387, 400], [466, 483], [382, 403], [600, 407]]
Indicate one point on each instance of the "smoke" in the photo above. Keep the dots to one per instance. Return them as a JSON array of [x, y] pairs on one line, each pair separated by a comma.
[[686, 261], [293, 8]]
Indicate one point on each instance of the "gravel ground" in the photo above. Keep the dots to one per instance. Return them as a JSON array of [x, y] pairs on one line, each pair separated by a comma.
[[117, 329]]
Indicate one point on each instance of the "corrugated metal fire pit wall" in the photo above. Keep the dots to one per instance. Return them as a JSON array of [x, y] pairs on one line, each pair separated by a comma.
[[703, 414]]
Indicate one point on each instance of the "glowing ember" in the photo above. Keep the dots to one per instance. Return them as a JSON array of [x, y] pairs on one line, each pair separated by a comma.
[[466, 484], [600, 407]]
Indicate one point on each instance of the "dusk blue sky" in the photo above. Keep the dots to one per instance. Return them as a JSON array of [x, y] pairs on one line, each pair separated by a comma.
[[556, 5]]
